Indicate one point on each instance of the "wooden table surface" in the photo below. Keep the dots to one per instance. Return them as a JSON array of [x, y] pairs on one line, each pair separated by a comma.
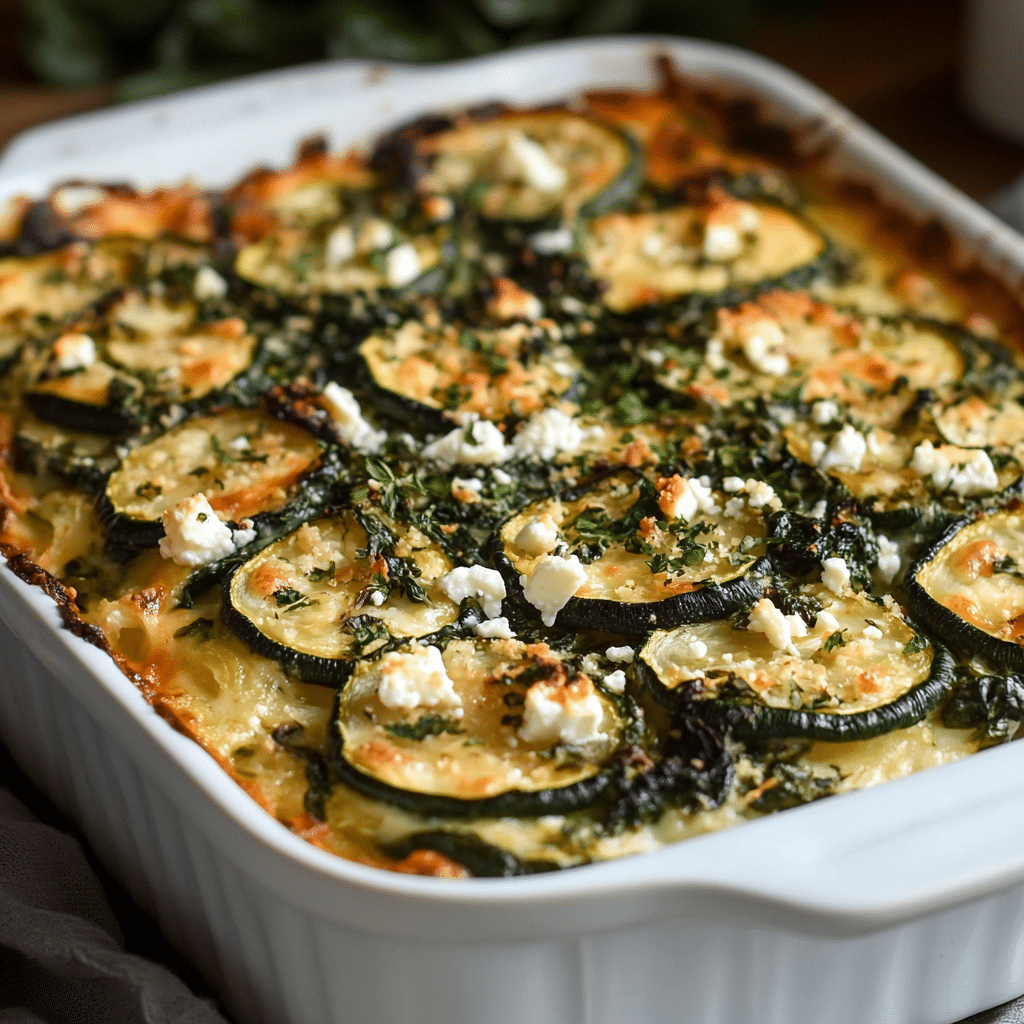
[[893, 62]]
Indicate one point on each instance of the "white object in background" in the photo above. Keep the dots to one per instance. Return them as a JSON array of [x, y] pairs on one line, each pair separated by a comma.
[[993, 86]]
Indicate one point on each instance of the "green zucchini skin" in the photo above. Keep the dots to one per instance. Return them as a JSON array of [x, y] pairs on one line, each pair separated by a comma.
[[513, 803], [96, 419], [621, 190], [757, 722], [704, 604], [330, 672], [480, 858], [957, 631]]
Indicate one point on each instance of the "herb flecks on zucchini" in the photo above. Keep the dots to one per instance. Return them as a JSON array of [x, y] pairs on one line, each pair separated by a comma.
[[646, 258], [532, 165], [652, 552], [856, 670], [420, 372], [510, 732], [318, 599], [969, 587]]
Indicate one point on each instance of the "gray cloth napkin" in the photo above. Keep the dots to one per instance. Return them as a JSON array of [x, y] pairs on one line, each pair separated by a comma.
[[62, 951]]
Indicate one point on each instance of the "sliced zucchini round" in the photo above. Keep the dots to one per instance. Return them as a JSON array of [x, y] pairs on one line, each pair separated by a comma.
[[637, 565], [177, 357], [421, 373], [969, 586], [310, 600], [243, 460], [652, 257], [486, 728], [81, 458], [533, 165], [97, 399], [859, 671]]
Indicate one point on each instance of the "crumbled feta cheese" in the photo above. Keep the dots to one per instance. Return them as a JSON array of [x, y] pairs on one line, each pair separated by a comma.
[[759, 493], [416, 679], [872, 632], [835, 574], [377, 598], [530, 162], [714, 354], [697, 649], [193, 535], [74, 352], [70, 200], [846, 451], [345, 411], [620, 654], [734, 507], [682, 497], [615, 681], [341, 246], [479, 443], [819, 510], [538, 537], [824, 411], [888, 558], [208, 284], [466, 488], [545, 434], [965, 471], [825, 620], [764, 345], [475, 581], [402, 265], [553, 582], [494, 629], [375, 234], [549, 243], [722, 242], [766, 618], [501, 477], [555, 713], [245, 534], [797, 626], [732, 484]]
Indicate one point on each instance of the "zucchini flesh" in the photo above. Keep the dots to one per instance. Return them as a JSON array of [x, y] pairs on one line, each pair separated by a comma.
[[307, 600], [419, 373], [244, 462], [969, 588], [859, 671], [642, 568], [654, 257], [474, 758], [586, 166]]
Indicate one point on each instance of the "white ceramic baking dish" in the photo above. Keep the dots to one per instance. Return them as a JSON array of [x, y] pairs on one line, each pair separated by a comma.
[[903, 904]]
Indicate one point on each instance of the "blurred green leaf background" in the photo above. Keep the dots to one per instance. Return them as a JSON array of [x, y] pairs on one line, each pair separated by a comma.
[[151, 47]]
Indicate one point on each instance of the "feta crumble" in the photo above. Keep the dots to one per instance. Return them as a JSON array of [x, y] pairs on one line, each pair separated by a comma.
[[546, 434], [208, 284], [538, 537], [345, 411], [193, 535], [682, 497], [555, 713], [245, 534], [625, 654], [766, 618], [478, 443], [416, 679], [553, 582], [495, 629], [846, 450], [550, 243], [74, 352], [615, 681], [964, 471], [530, 162], [835, 575], [824, 411], [476, 581], [764, 345], [888, 558], [402, 265], [341, 246]]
